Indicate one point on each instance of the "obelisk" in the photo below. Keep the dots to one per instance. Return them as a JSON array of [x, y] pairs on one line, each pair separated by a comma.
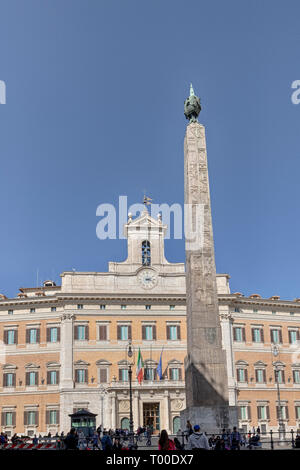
[[205, 364]]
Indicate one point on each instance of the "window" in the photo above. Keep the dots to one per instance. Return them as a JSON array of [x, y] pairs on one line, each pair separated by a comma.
[[79, 307], [148, 307], [103, 375], [32, 310], [53, 415], [123, 307], [255, 310], [53, 309], [257, 335], [10, 312], [173, 332], [263, 412], [175, 373], [237, 310], [293, 336], [146, 253], [243, 412], [102, 307], [297, 411], [149, 373], [9, 379], [296, 376], [284, 412], [81, 332], [242, 375], [124, 332], [52, 377], [10, 336], [31, 418], [8, 418], [123, 375], [32, 335], [276, 336], [81, 376], [260, 375], [273, 313], [103, 332], [172, 307], [279, 376], [148, 332], [31, 378], [238, 334], [292, 313], [53, 335]]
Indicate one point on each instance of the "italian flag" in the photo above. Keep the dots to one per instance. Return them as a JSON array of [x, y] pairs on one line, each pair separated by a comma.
[[139, 367]]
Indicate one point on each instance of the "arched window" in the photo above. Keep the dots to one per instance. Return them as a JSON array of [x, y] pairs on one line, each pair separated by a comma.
[[146, 253], [176, 424], [125, 423]]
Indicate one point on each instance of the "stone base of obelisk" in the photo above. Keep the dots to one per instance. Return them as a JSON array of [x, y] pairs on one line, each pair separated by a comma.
[[211, 419]]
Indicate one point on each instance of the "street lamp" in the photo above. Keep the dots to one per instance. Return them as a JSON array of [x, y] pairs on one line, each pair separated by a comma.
[[103, 392], [130, 360], [281, 428]]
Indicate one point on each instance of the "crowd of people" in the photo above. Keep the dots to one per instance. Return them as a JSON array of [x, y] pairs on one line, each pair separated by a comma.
[[191, 438]]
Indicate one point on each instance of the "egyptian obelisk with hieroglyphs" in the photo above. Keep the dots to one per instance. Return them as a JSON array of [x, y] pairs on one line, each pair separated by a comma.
[[205, 365]]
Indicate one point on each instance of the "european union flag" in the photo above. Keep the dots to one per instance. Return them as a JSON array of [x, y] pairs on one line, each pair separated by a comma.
[[159, 367]]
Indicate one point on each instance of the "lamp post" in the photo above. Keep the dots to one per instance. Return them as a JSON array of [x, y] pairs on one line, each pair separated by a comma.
[[130, 359], [275, 352]]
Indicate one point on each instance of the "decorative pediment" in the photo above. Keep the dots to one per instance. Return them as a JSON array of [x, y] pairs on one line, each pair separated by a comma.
[[260, 364], [150, 363], [81, 362], [123, 362], [52, 364], [278, 364], [296, 365], [174, 362], [103, 362], [240, 362], [9, 367], [31, 365]]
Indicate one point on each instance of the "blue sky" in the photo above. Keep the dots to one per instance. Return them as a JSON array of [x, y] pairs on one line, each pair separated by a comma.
[[94, 110]]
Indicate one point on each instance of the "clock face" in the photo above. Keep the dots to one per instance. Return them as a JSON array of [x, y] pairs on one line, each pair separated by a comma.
[[147, 278]]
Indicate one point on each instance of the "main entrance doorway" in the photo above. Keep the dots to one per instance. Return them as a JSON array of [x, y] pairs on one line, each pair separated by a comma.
[[151, 416]]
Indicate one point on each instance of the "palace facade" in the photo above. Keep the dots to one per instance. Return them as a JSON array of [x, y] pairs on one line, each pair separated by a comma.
[[64, 347]]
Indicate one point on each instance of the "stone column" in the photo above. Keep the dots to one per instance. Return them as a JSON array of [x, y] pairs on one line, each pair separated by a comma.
[[135, 410], [113, 410], [167, 411], [66, 351], [226, 326], [205, 365]]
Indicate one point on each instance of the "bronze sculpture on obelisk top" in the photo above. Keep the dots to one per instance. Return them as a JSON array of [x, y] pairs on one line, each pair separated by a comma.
[[205, 365]]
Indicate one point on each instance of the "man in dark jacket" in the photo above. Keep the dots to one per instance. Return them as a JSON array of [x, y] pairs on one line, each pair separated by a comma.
[[71, 441]]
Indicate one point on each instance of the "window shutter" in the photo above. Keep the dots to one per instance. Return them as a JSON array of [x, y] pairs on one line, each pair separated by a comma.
[[48, 336], [75, 332], [180, 373], [27, 335], [25, 418], [57, 417], [249, 412], [262, 335], [246, 375], [37, 418], [119, 331], [120, 375], [294, 377], [3, 418], [5, 336], [47, 417], [58, 334], [154, 332], [298, 336], [76, 378], [239, 413], [271, 336], [244, 334], [27, 378], [287, 412], [87, 332], [57, 377], [277, 412], [283, 377], [14, 418], [170, 374], [168, 332], [14, 380], [36, 378], [38, 335], [290, 337], [265, 377], [103, 375], [86, 376], [268, 411], [129, 332], [256, 375], [258, 412], [252, 332], [237, 375], [4, 380], [178, 332], [280, 336], [48, 378], [102, 333], [234, 334], [143, 332]]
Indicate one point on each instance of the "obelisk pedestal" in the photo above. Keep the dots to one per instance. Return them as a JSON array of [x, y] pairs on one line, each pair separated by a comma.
[[205, 364]]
